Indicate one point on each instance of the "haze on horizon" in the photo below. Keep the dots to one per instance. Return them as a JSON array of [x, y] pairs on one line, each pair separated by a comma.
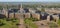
[[29, 0]]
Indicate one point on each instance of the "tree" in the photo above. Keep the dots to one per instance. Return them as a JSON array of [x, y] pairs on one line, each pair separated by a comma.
[[59, 21], [43, 10], [2, 22], [29, 23], [1, 7]]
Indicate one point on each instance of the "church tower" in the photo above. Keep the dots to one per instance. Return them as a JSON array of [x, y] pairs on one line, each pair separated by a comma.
[[21, 9]]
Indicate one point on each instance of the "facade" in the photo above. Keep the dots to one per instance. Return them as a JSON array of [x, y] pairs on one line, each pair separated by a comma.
[[36, 16], [56, 18], [27, 15]]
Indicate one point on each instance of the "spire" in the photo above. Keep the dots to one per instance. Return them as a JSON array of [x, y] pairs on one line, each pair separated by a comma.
[[21, 9], [21, 5]]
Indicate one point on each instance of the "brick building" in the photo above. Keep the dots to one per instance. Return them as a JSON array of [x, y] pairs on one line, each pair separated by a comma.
[[29, 12]]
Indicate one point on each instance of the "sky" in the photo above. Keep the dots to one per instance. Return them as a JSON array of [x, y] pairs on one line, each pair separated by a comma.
[[29, 0]]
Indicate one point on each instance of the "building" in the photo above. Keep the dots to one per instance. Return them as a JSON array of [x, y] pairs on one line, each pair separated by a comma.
[[30, 12]]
